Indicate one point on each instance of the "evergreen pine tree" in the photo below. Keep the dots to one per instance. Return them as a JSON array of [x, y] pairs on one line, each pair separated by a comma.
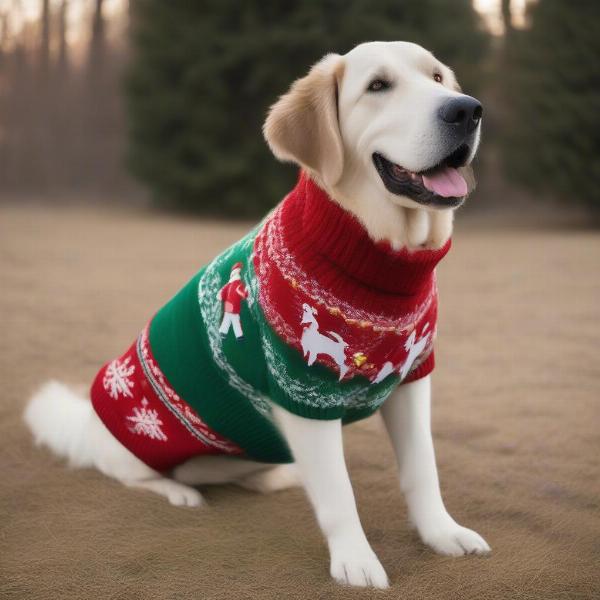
[[205, 73], [552, 88]]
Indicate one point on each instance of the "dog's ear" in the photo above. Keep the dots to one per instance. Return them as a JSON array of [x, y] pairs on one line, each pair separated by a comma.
[[302, 126]]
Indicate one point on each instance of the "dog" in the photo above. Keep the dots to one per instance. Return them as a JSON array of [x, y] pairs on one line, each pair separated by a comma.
[[384, 138]]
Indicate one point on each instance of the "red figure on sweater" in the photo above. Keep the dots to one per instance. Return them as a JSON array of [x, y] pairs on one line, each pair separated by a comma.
[[232, 294]]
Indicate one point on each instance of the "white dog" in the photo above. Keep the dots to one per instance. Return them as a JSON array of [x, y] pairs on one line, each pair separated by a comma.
[[385, 131]]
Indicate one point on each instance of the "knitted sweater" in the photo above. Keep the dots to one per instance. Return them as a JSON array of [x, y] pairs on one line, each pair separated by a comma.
[[326, 323]]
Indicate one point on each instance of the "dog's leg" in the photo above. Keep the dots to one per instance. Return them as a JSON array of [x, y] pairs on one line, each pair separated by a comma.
[[215, 470], [407, 417], [319, 454], [272, 479], [251, 475], [176, 493], [114, 460]]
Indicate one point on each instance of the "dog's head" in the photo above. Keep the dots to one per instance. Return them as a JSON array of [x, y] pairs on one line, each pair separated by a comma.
[[387, 120]]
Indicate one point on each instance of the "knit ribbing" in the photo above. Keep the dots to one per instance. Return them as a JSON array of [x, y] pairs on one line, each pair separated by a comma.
[[330, 244]]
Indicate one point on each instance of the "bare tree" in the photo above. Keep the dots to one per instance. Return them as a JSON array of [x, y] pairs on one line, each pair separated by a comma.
[[506, 17], [3, 30], [63, 48], [44, 52], [61, 122], [97, 49]]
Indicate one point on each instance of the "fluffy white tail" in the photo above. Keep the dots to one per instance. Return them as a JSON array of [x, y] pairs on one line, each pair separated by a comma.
[[68, 424], [63, 421]]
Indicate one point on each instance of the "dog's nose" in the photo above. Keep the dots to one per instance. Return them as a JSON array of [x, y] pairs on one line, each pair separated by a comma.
[[462, 113]]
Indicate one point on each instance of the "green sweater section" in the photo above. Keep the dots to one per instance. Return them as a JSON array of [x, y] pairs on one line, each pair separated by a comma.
[[231, 382]]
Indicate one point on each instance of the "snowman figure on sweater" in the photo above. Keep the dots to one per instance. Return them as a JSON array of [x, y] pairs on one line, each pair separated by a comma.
[[232, 294]]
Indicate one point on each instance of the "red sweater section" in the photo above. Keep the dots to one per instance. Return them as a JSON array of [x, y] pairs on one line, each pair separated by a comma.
[[335, 248], [312, 257]]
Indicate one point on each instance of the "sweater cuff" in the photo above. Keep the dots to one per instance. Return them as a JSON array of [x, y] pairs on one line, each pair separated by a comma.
[[424, 369]]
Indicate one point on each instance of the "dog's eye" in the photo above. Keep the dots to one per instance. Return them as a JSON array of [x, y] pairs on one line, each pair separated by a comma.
[[379, 85], [437, 77]]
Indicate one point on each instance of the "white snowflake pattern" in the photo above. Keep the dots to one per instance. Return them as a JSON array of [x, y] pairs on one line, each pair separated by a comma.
[[116, 378], [146, 422]]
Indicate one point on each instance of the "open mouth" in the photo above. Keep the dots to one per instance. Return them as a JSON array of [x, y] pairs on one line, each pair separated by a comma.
[[441, 185]]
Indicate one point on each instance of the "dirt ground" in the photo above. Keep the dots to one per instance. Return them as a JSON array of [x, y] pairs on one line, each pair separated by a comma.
[[516, 423]]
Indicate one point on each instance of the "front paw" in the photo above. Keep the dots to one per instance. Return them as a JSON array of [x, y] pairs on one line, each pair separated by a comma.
[[358, 571], [449, 538]]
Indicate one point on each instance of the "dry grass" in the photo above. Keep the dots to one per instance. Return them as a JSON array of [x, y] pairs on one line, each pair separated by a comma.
[[516, 419]]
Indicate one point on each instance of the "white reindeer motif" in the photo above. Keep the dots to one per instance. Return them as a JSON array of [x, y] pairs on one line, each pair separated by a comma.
[[414, 351], [386, 369], [314, 343]]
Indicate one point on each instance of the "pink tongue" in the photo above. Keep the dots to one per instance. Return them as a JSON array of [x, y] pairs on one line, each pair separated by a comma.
[[446, 182]]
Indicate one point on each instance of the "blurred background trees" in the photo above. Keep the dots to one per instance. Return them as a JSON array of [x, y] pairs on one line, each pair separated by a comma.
[[205, 73], [62, 121], [175, 93], [551, 81]]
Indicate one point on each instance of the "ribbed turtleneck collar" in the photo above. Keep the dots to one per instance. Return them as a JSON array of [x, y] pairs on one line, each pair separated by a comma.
[[334, 245]]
